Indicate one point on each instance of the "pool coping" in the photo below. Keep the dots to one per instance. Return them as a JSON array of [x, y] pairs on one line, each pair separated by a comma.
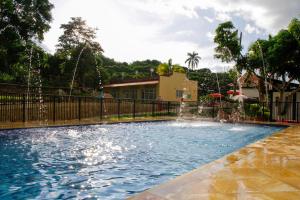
[[33, 126], [201, 183], [29, 125]]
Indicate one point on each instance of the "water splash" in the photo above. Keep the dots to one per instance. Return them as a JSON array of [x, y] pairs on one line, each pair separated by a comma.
[[75, 70], [265, 75], [42, 105]]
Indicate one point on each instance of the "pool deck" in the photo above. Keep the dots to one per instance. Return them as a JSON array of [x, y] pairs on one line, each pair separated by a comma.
[[268, 169]]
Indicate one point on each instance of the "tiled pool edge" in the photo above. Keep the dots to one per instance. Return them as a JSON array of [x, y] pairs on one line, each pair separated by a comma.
[[76, 123], [238, 175]]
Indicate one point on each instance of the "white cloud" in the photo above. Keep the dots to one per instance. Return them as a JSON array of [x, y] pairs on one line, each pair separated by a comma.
[[223, 17], [210, 36], [210, 20], [162, 29], [251, 29]]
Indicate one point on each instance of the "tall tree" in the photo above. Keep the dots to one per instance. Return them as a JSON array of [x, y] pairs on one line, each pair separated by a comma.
[[229, 47], [80, 49], [28, 18], [193, 60], [228, 43], [76, 33], [21, 22], [282, 57]]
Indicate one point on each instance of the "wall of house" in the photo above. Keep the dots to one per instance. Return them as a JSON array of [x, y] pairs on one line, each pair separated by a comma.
[[251, 92], [168, 85], [121, 91]]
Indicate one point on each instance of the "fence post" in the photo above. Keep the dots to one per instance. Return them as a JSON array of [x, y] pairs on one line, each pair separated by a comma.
[[297, 112], [119, 102], [168, 107], [153, 109], [213, 111], [263, 111], [133, 111], [271, 107], [24, 107], [101, 108], [54, 109], [79, 108]]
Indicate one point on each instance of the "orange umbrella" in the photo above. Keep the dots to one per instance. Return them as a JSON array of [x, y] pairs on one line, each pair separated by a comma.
[[232, 92], [216, 95]]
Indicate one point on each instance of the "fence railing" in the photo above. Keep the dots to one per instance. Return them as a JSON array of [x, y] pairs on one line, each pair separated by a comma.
[[34, 107]]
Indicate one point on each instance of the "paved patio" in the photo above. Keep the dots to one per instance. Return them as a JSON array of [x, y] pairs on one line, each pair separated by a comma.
[[268, 169]]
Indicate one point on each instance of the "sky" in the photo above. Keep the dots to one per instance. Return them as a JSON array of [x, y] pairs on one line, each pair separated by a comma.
[[130, 30]]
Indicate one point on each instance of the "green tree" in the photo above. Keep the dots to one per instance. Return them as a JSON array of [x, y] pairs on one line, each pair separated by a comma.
[[77, 33], [294, 28], [162, 69], [193, 60], [178, 68], [282, 57], [29, 19], [78, 44], [229, 47], [21, 22], [207, 81], [228, 43]]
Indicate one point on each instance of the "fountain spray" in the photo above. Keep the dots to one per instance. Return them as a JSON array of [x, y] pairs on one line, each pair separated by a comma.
[[75, 70]]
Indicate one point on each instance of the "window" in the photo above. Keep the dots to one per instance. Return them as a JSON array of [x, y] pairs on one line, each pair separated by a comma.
[[179, 93], [149, 93], [115, 93], [130, 93]]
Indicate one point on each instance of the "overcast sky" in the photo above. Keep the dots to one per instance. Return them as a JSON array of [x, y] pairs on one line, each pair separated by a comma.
[[132, 30]]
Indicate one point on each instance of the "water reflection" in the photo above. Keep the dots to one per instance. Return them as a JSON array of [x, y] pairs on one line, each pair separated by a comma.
[[111, 161]]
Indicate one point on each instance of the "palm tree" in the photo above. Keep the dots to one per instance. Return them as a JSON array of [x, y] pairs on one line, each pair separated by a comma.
[[193, 60]]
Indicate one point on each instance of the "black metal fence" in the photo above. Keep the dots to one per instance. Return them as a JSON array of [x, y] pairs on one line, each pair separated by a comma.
[[35, 107]]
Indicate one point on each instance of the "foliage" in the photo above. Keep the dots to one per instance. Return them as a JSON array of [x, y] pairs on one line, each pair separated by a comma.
[[162, 69], [294, 28], [193, 60], [77, 45], [207, 81], [28, 18], [178, 68], [228, 43], [77, 33], [22, 23], [257, 110], [281, 56], [229, 49]]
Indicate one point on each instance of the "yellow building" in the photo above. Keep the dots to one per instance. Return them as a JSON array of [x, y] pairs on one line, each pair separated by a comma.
[[165, 88]]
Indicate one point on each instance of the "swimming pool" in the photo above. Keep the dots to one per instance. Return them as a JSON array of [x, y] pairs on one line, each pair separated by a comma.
[[111, 161]]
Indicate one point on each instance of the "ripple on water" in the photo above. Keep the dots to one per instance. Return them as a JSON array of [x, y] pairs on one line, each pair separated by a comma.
[[111, 161]]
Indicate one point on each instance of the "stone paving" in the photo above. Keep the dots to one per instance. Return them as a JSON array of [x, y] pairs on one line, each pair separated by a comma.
[[268, 169]]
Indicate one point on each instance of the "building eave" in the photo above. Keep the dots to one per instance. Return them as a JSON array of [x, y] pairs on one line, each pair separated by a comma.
[[155, 82]]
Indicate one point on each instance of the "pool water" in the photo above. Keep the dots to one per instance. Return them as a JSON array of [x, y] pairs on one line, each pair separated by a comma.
[[111, 161]]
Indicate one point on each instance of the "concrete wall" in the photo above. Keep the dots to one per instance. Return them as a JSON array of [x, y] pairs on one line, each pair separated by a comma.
[[251, 92], [168, 85], [122, 90]]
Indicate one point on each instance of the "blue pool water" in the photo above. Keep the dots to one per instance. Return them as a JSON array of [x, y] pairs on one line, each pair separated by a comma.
[[111, 161]]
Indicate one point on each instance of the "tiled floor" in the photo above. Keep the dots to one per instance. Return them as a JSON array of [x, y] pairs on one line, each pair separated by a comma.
[[268, 169]]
